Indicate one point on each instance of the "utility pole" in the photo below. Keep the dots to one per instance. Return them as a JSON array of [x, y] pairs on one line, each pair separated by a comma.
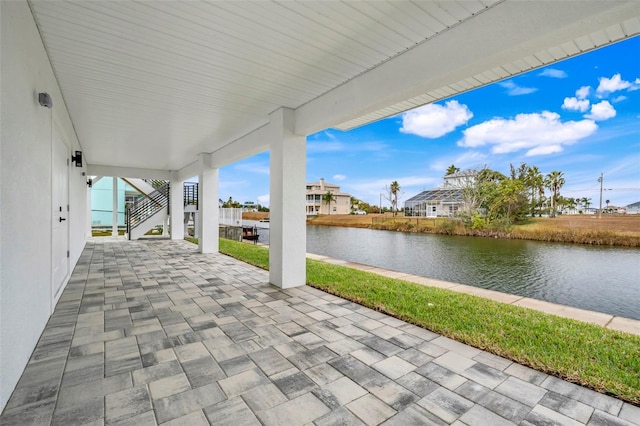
[[600, 211]]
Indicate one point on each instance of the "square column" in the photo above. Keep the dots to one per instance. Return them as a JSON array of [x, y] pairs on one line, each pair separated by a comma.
[[287, 228], [208, 211], [176, 206], [114, 224]]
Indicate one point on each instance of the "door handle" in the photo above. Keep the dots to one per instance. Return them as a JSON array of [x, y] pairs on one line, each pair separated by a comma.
[[62, 218]]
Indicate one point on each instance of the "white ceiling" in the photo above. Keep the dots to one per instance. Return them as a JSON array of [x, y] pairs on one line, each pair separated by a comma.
[[152, 84]]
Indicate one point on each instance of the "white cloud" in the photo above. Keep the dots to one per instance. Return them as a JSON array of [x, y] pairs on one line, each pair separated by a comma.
[[468, 159], [613, 84], [434, 120], [339, 177], [573, 104], [583, 92], [553, 73], [263, 199], [544, 150], [619, 99], [539, 134], [601, 111], [369, 190], [254, 167], [514, 90]]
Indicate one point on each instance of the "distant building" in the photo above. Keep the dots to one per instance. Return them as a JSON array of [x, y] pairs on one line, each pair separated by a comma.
[[444, 201], [341, 203], [249, 206], [459, 180], [633, 208]]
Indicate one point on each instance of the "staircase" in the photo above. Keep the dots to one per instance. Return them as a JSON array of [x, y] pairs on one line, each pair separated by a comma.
[[152, 208], [149, 211]]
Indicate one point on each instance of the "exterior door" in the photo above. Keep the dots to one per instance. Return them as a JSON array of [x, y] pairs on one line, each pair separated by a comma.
[[60, 214]]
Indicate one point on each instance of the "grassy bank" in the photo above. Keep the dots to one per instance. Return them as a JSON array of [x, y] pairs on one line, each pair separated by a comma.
[[621, 231], [590, 355]]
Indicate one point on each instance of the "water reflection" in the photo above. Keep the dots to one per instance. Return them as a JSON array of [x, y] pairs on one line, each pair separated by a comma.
[[596, 278]]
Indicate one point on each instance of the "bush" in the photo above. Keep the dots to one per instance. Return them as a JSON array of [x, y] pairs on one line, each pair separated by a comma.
[[447, 226], [478, 222]]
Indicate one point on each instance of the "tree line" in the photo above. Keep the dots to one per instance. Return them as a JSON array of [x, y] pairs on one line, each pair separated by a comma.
[[231, 203], [491, 197]]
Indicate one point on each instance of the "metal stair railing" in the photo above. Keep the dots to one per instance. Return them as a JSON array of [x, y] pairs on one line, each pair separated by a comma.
[[190, 191], [155, 183], [145, 207]]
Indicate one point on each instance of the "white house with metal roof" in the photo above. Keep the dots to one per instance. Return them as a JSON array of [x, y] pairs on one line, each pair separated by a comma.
[[633, 208]]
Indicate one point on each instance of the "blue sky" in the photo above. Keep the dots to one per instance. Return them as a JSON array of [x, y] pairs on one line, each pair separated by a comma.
[[580, 116]]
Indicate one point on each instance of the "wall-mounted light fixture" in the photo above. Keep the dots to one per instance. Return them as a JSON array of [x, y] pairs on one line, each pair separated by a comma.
[[89, 182], [45, 99], [77, 159]]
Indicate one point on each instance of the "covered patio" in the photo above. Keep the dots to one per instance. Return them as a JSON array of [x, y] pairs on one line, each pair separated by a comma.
[[176, 89], [153, 332]]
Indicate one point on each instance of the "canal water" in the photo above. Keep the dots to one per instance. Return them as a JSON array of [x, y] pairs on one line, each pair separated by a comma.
[[602, 279]]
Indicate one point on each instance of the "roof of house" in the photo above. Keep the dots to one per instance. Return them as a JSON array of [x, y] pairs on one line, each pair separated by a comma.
[[324, 191], [438, 194], [318, 183], [634, 205]]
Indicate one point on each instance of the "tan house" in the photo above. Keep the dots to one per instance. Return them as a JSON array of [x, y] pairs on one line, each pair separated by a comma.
[[341, 203]]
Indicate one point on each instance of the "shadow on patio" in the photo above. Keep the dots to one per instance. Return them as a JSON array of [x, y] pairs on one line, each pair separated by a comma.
[[152, 332]]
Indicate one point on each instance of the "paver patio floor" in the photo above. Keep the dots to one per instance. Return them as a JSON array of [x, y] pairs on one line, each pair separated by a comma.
[[152, 332]]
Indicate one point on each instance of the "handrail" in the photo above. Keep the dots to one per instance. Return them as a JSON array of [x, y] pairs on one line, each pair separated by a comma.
[[147, 206], [155, 183], [144, 208], [190, 191]]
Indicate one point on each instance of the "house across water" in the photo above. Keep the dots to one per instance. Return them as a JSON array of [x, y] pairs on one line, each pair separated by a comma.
[[444, 201], [318, 204]]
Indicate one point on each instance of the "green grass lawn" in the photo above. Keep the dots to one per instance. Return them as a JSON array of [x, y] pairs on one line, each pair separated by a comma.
[[602, 359]]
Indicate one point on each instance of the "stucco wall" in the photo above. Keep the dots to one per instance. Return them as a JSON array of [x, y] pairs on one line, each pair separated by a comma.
[[25, 190]]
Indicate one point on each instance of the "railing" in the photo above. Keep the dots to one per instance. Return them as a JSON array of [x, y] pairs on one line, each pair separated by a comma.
[[155, 183], [190, 191], [143, 208]]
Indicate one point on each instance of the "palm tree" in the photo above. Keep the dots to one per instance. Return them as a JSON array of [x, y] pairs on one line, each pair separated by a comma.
[[328, 198], [354, 202], [394, 190], [451, 170], [535, 182], [554, 181]]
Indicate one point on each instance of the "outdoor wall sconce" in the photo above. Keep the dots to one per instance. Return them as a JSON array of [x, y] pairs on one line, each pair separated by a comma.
[[45, 99], [77, 159], [89, 182]]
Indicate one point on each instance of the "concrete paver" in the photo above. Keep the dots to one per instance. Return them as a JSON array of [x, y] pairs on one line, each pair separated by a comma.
[[152, 332]]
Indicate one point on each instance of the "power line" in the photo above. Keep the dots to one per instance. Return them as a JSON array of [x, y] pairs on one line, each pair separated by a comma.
[[604, 189]]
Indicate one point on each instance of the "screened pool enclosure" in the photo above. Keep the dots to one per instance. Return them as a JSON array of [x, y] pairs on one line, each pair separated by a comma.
[[434, 203]]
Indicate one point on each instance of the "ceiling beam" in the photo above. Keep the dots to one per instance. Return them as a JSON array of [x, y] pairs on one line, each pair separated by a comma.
[[127, 172], [502, 34]]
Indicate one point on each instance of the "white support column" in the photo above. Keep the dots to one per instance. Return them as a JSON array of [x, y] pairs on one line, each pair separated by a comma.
[[114, 225], [208, 206], [89, 214], [287, 228], [176, 200]]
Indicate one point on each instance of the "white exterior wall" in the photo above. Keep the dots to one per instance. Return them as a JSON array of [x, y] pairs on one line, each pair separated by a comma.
[[25, 191]]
